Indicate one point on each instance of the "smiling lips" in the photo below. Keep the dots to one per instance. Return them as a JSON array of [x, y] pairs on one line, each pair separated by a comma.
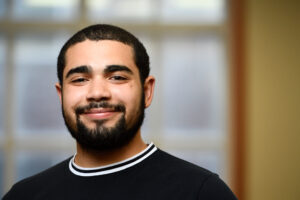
[[99, 113]]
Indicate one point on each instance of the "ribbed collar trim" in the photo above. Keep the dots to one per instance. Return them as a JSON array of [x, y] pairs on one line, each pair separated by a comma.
[[112, 168]]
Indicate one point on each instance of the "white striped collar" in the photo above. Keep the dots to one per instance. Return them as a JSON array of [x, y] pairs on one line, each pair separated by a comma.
[[112, 168]]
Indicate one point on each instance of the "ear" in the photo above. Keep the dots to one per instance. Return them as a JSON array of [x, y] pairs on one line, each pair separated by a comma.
[[149, 90], [58, 90]]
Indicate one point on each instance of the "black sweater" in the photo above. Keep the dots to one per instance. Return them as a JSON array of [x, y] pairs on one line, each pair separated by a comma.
[[153, 174]]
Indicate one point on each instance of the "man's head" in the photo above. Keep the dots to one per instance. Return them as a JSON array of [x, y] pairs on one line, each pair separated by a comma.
[[100, 32], [104, 86]]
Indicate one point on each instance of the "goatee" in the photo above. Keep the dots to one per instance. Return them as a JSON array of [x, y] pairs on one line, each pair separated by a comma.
[[102, 138]]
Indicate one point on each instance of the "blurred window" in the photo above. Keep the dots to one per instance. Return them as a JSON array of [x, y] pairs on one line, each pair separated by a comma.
[[167, 11], [2, 8], [193, 11], [2, 81], [121, 10], [58, 10], [35, 79], [194, 81]]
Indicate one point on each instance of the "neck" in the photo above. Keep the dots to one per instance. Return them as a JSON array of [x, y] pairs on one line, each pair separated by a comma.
[[93, 158]]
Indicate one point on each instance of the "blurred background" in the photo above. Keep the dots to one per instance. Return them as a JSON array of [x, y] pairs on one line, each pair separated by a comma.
[[226, 96]]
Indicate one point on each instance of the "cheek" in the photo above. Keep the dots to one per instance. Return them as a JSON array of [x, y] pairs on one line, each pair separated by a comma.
[[129, 94], [72, 97], [132, 99]]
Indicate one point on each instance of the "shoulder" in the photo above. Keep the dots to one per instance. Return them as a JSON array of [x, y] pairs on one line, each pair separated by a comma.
[[174, 164], [214, 188], [34, 183], [205, 184]]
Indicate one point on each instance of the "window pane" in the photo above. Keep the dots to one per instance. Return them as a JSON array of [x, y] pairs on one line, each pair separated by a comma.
[[198, 11], [37, 104], [2, 8], [194, 83], [45, 10], [123, 10], [2, 81], [33, 162]]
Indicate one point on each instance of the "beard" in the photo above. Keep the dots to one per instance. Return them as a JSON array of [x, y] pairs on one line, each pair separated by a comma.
[[102, 138]]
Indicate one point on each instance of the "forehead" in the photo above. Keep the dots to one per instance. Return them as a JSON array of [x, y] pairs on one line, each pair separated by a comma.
[[100, 54]]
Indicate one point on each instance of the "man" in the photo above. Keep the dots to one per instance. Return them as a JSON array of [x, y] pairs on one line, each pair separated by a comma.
[[104, 87]]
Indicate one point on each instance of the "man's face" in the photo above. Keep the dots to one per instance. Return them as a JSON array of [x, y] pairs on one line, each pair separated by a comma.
[[102, 97]]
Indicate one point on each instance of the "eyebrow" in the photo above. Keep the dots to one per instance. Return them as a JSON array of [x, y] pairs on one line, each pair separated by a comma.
[[80, 69], [115, 68]]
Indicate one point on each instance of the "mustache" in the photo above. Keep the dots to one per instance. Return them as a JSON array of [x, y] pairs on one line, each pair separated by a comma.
[[102, 104]]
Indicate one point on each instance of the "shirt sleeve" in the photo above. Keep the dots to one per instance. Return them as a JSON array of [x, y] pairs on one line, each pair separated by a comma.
[[214, 188]]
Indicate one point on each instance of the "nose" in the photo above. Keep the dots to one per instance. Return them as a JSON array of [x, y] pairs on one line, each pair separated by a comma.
[[98, 91]]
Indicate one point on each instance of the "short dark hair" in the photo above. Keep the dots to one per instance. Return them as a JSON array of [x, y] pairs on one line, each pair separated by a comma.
[[107, 32]]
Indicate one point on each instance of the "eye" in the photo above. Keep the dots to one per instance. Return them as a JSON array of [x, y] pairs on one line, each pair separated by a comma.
[[79, 80], [118, 78]]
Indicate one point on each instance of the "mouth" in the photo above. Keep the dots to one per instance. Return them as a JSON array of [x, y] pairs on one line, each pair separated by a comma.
[[100, 110], [99, 113]]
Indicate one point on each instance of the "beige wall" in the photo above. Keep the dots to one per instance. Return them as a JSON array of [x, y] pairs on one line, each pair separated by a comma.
[[273, 98]]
